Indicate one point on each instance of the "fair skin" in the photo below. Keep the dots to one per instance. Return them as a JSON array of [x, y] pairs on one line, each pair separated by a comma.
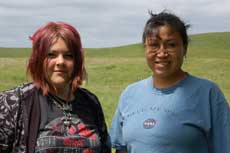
[[164, 55], [59, 65]]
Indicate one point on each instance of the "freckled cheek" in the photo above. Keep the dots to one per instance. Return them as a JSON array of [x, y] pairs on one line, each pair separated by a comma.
[[150, 57], [149, 53], [150, 62]]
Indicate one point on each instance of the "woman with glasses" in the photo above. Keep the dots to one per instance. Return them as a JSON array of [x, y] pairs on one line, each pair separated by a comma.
[[171, 111]]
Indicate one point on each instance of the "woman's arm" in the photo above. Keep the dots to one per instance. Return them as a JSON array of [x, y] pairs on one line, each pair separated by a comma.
[[220, 119], [7, 120]]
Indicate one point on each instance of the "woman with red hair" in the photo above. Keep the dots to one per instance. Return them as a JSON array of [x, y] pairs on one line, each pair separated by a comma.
[[53, 114]]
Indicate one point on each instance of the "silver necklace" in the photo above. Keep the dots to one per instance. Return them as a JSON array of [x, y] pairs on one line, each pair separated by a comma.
[[66, 108]]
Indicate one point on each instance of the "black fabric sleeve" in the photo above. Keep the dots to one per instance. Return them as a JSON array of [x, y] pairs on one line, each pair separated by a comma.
[[100, 119], [102, 129]]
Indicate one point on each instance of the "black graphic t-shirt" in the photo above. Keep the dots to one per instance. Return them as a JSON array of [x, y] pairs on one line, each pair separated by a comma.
[[86, 134]]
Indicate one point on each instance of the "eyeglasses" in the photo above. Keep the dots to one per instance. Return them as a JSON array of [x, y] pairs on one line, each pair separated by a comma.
[[167, 47]]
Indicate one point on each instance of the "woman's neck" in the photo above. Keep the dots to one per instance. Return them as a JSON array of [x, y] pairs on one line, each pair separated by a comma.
[[65, 94], [161, 83]]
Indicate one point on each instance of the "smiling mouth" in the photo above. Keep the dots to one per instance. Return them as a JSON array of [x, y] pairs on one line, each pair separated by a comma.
[[60, 72], [163, 63]]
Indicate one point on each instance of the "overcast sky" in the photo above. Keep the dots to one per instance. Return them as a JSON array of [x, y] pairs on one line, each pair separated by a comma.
[[105, 23]]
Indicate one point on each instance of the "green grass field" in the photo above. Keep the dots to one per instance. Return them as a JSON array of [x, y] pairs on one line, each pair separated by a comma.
[[110, 70]]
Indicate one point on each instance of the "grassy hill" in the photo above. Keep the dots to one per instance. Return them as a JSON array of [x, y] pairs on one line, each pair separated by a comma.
[[110, 70], [210, 45], [204, 45], [14, 52]]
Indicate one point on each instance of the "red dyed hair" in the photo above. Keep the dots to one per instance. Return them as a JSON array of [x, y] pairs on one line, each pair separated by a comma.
[[42, 41]]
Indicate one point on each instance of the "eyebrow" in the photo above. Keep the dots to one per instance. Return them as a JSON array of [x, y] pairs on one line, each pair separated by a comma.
[[155, 38], [58, 50]]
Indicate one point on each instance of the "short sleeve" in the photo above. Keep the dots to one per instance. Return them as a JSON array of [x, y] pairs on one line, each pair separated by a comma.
[[220, 122], [99, 118], [115, 133], [102, 129]]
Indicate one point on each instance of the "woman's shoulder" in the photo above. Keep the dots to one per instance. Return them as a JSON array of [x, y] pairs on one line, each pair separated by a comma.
[[17, 90], [86, 95], [85, 92], [9, 99], [202, 85], [195, 80], [11, 96]]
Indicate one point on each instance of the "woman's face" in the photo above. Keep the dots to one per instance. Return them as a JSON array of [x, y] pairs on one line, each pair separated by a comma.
[[164, 53], [59, 65]]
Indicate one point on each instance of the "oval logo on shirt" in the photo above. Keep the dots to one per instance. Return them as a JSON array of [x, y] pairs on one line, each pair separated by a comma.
[[149, 123]]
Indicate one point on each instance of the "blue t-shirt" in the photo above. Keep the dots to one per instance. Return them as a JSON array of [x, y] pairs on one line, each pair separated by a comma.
[[190, 117]]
